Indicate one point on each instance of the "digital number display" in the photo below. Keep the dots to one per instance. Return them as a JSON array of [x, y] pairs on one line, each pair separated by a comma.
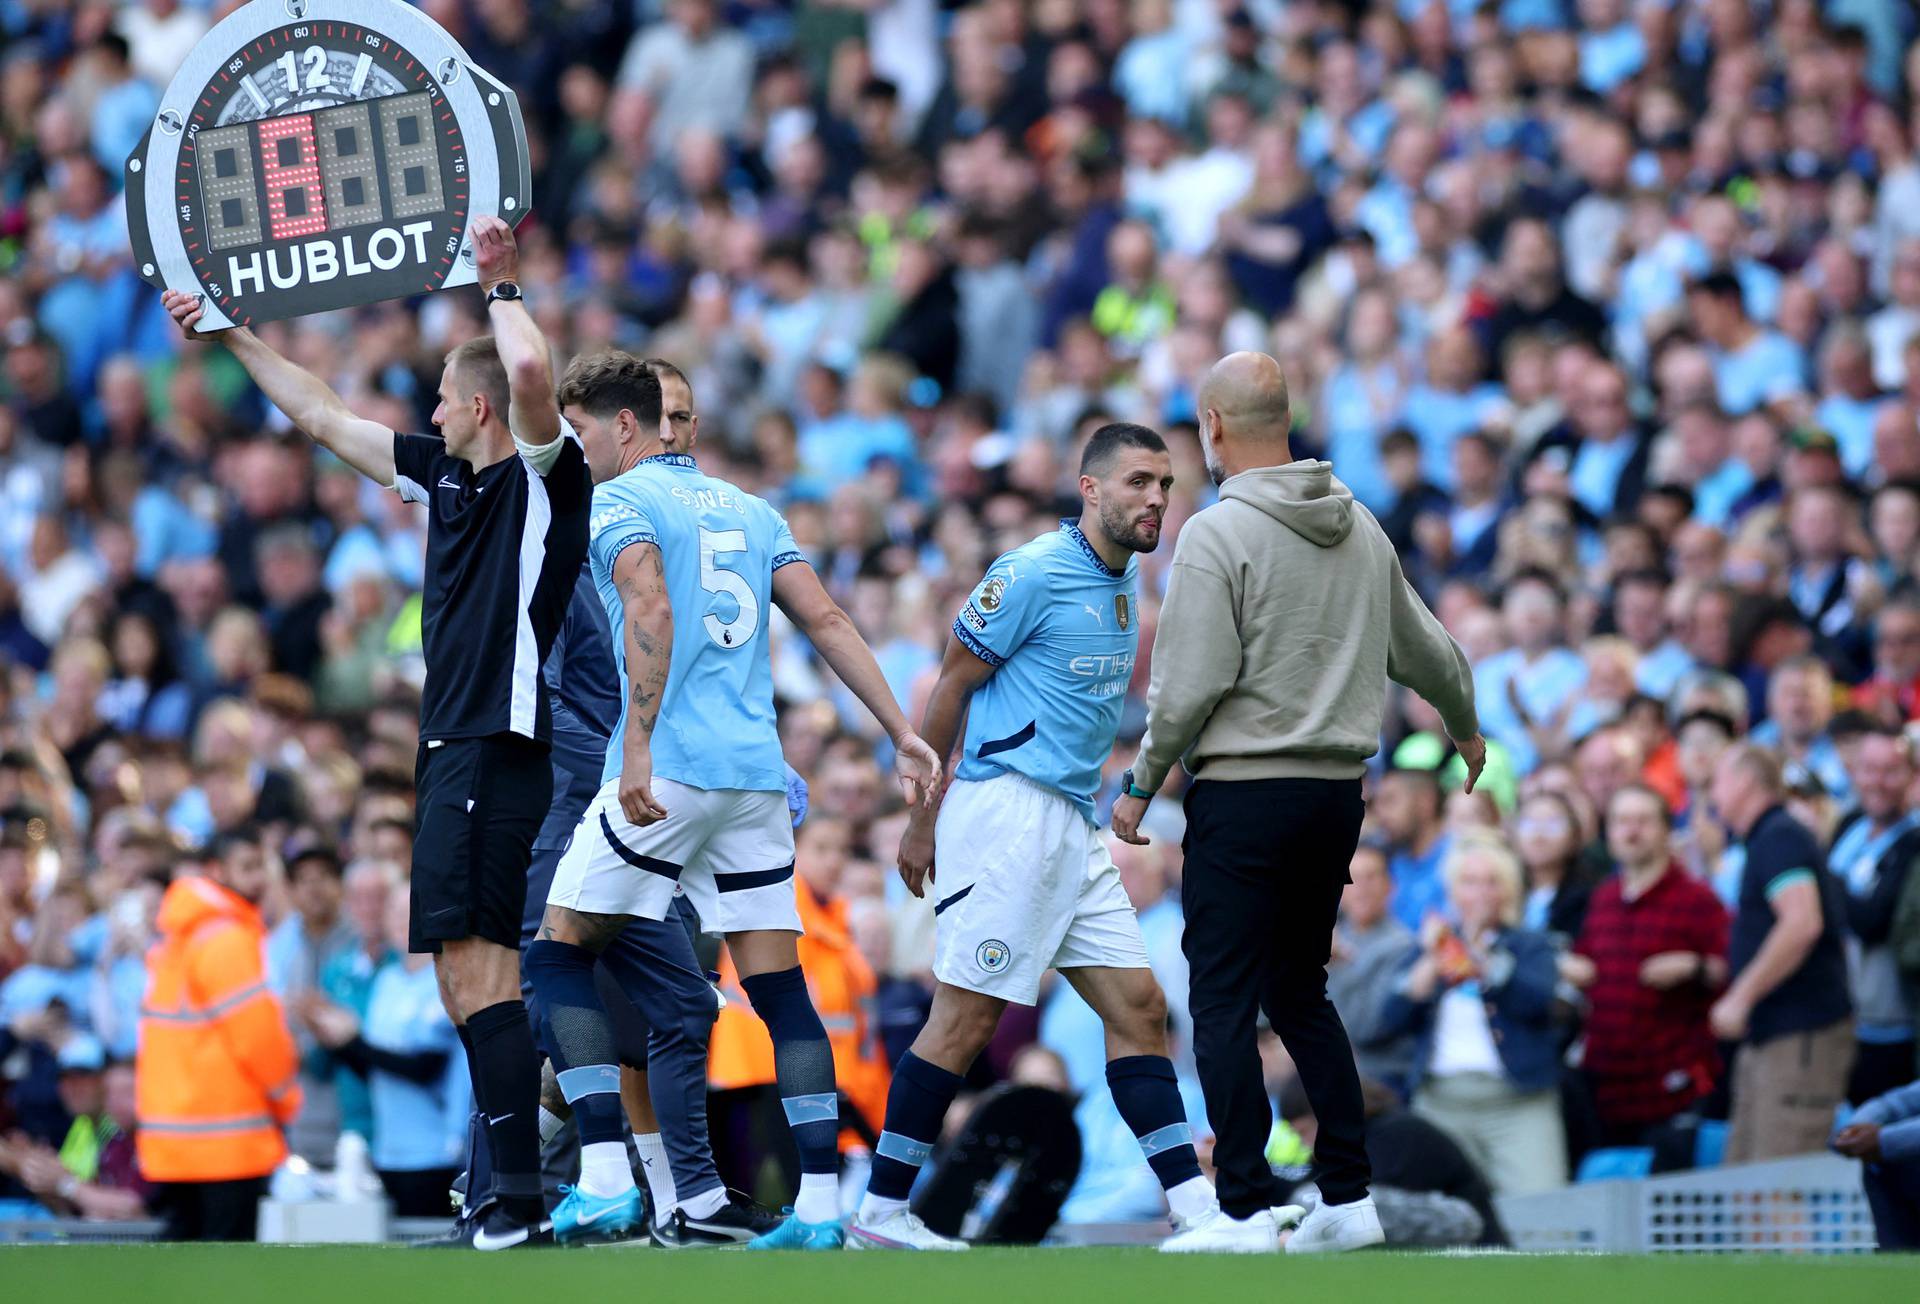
[[228, 188], [307, 174]]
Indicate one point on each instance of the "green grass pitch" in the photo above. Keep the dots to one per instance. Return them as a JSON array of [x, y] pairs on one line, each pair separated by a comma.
[[259, 1274]]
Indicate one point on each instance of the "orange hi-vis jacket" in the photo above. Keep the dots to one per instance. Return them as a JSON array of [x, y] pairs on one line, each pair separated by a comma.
[[217, 1076], [842, 985]]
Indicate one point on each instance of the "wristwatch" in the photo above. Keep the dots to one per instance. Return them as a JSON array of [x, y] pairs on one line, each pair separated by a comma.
[[506, 292], [1131, 789]]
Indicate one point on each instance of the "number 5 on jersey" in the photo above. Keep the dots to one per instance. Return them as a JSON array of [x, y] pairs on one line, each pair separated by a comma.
[[716, 579]]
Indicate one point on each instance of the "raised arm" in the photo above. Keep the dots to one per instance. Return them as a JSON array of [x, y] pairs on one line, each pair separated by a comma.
[[799, 593], [646, 628], [532, 414], [366, 446]]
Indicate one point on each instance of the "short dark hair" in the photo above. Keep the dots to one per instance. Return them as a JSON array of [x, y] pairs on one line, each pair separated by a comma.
[[1720, 283], [1397, 441], [1108, 440], [1427, 780], [314, 853], [1535, 575], [223, 844], [662, 369], [610, 381], [1677, 493], [1645, 790], [1706, 715], [391, 822], [477, 369]]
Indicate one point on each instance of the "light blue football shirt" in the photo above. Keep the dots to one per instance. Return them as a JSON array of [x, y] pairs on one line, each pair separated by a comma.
[[719, 547], [1061, 630]]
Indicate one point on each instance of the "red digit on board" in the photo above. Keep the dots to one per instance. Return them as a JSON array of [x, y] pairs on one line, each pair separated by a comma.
[[296, 202]]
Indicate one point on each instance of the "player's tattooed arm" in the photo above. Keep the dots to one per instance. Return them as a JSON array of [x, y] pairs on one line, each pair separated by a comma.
[[646, 630], [643, 592]]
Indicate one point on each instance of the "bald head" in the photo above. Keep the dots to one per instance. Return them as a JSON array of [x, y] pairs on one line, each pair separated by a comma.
[[1244, 414], [1249, 392]]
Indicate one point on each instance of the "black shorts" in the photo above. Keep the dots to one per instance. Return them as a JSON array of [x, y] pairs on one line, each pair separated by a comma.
[[480, 802]]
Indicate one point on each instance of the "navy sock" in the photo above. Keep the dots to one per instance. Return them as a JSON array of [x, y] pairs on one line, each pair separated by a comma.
[[803, 1064], [917, 1104], [1148, 1097], [579, 1038], [479, 1148], [507, 1069]]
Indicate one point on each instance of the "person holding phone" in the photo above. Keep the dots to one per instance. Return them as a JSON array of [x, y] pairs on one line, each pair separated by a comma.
[[1479, 996]]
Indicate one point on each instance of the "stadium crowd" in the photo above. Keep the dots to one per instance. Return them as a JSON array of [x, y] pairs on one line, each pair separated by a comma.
[[1608, 309]]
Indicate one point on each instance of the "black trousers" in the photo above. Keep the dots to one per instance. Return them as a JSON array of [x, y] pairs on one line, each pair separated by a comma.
[[212, 1211], [419, 1192], [1266, 863], [1893, 1193], [1879, 1067]]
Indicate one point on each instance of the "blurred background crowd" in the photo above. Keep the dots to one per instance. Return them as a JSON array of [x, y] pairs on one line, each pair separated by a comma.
[[1609, 309]]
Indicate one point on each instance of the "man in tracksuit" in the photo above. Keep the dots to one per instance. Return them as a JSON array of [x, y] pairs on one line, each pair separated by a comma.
[[663, 1041]]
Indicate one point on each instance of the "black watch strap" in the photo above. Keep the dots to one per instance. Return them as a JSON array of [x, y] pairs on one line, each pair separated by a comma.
[[507, 291]]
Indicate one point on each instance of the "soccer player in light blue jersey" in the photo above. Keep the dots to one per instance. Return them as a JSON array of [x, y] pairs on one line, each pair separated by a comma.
[[694, 788], [1038, 668]]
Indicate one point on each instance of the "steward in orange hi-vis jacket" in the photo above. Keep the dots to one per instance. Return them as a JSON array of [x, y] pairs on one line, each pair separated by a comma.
[[842, 985], [217, 1076]]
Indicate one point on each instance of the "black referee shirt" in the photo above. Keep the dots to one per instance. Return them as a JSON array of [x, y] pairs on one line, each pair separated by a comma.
[[504, 546]]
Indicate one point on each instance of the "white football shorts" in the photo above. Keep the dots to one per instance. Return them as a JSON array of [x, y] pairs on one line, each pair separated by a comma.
[[729, 849], [1024, 884]]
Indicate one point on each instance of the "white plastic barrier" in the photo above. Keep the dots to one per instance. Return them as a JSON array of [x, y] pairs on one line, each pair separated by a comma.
[[1809, 1204]]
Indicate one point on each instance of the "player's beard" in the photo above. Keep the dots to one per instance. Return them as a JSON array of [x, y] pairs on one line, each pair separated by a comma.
[[1125, 531]]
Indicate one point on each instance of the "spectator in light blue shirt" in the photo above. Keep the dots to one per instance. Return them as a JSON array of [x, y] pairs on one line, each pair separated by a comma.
[[125, 106], [1527, 686], [166, 530], [1451, 401], [1363, 398], [410, 1055], [1151, 73], [1799, 711], [1717, 243], [1849, 399], [57, 968], [1611, 48], [839, 449], [1342, 105], [1640, 617], [1406, 804], [1386, 211], [1752, 367]]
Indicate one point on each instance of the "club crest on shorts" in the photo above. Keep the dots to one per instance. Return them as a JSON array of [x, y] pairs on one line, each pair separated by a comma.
[[993, 955], [1123, 611], [991, 593]]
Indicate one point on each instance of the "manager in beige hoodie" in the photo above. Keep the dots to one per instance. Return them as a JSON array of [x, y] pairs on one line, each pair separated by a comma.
[[1286, 615]]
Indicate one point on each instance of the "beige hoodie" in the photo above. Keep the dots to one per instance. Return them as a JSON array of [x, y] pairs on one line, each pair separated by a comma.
[[1286, 615]]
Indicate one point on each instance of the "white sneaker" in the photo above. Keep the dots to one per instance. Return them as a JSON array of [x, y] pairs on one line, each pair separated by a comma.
[[899, 1230], [1213, 1232], [1333, 1228]]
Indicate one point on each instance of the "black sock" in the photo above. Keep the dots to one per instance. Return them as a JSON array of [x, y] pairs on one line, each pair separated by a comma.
[[507, 1077], [479, 1148]]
